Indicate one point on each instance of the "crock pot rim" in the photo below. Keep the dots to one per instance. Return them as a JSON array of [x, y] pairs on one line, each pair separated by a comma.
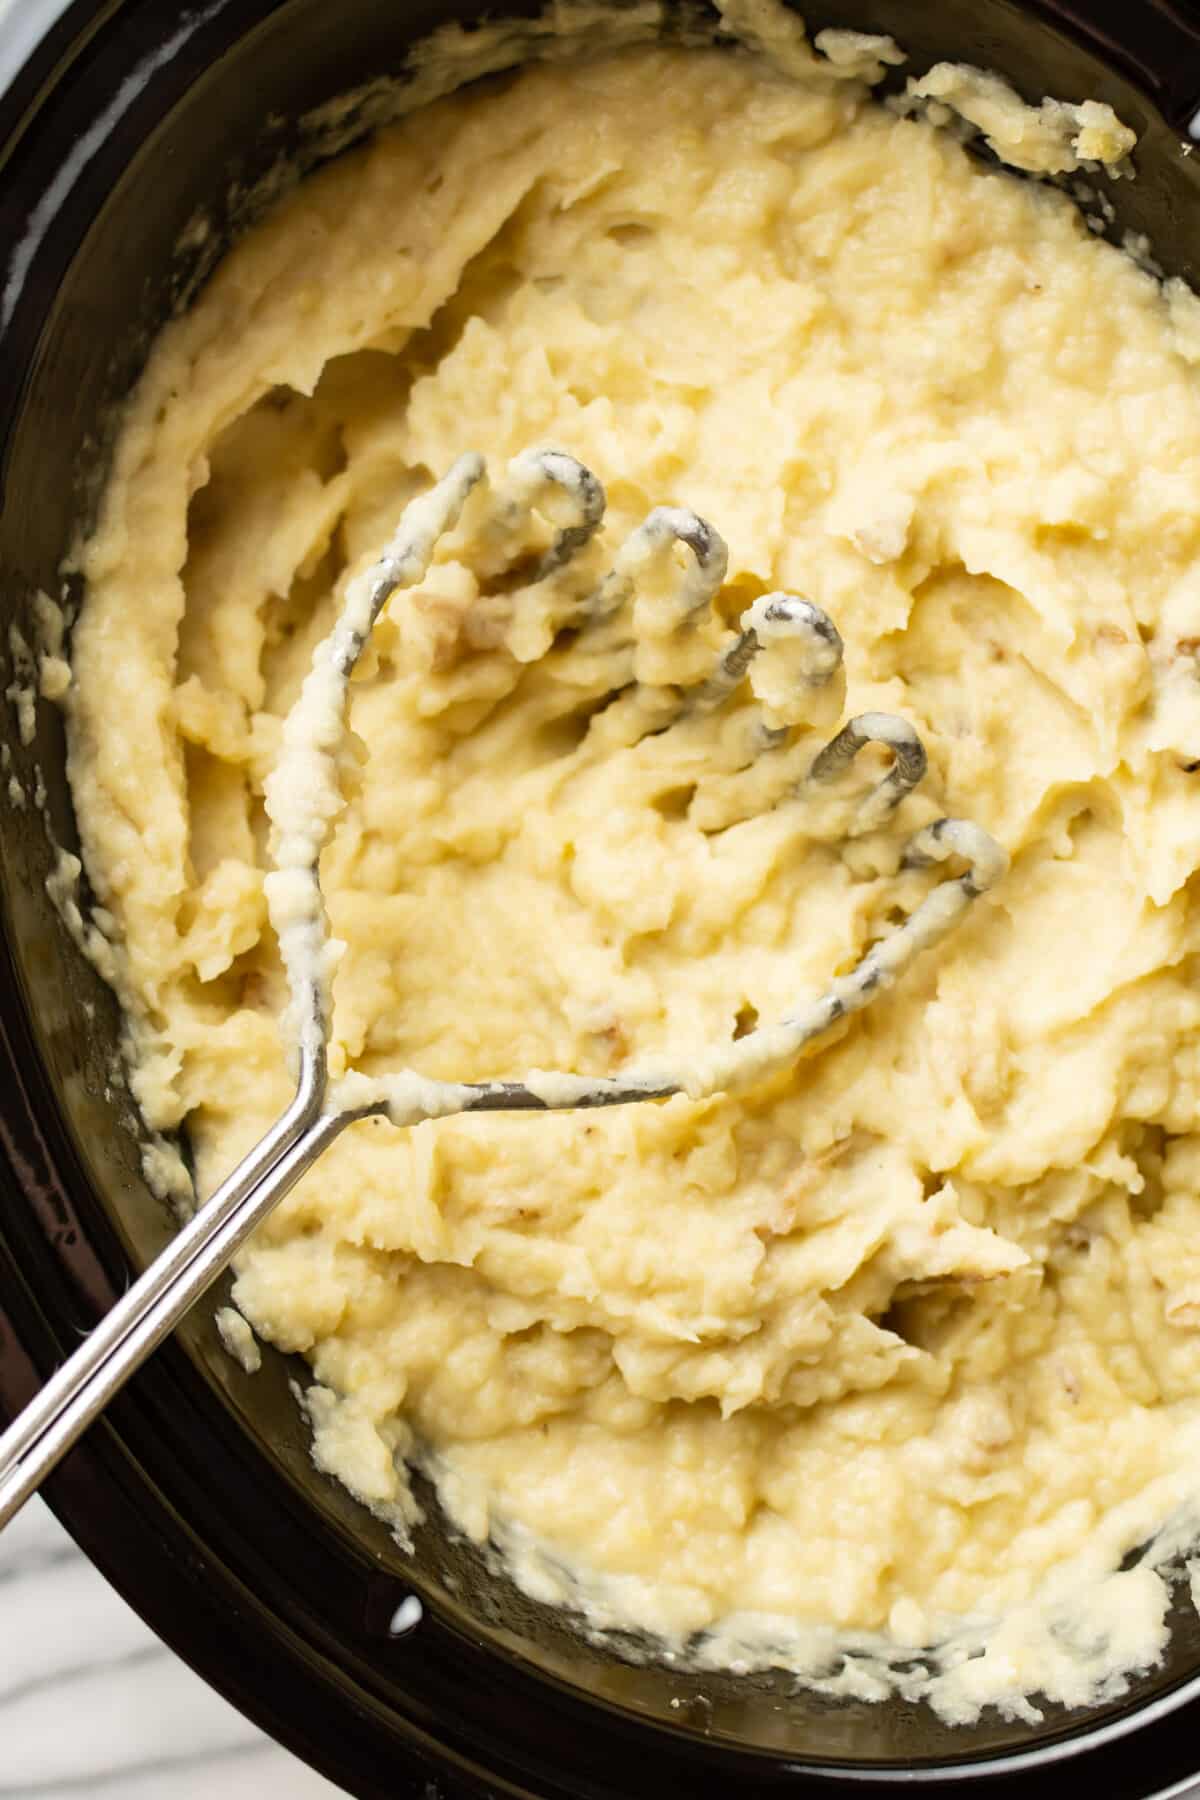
[[32, 85]]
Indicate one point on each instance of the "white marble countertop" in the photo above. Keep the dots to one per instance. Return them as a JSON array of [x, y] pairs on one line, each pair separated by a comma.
[[93, 1704]]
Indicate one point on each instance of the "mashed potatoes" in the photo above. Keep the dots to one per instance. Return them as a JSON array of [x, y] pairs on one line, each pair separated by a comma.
[[871, 1353]]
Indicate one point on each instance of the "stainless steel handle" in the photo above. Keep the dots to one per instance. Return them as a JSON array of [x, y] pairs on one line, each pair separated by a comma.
[[80, 1390]]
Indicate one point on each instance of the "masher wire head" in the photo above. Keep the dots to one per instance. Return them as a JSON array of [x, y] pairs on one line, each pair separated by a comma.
[[795, 637]]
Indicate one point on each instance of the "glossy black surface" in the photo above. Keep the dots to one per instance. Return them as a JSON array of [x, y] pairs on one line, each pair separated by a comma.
[[196, 1496]]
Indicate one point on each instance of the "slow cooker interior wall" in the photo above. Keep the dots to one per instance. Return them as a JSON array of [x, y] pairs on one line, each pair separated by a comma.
[[127, 213]]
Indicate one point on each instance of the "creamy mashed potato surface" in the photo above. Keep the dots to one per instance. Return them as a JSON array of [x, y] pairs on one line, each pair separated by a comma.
[[903, 1349]]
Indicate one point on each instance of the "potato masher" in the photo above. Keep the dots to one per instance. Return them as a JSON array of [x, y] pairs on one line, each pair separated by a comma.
[[794, 645]]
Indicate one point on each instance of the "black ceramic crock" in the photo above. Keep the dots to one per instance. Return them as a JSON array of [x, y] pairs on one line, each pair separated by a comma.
[[196, 1496]]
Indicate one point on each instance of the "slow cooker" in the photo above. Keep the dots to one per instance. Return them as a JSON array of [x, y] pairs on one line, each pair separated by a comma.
[[122, 124]]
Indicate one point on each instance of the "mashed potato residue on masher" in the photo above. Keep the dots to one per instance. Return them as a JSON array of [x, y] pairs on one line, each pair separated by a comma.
[[902, 1349]]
